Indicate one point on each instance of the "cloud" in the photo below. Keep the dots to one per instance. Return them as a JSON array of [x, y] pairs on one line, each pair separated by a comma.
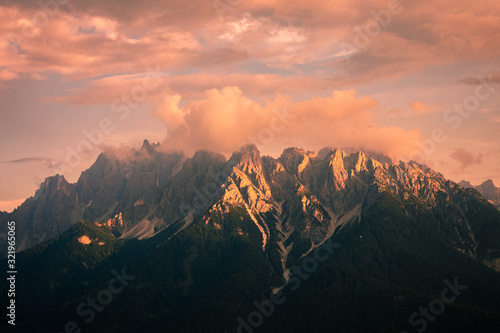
[[490, 78], [421, 108], [91, 39], [465, 157], [495, 117], [193, 86], [50, 163], [7, 75], [225, 119], [83, 45], [493, 113], [394, 112]]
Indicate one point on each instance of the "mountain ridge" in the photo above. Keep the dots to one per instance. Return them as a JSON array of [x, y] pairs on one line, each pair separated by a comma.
[[487, 189], [149, 190]]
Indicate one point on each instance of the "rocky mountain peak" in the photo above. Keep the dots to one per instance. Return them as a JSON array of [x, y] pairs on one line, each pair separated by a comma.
[[148, 146], [336, 154], [465, 184], [324, 152], [53, 184], [295, 160], [336, 160], [357, 161], [488, 185], [203, 155], [247, 159], [487, 189]]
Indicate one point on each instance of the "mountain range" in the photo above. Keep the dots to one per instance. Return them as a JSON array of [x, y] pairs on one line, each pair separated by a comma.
[[208, 241], [487, 189]]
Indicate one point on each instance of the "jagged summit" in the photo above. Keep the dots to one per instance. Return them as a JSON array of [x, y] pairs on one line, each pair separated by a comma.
[[148, 146], [52, 184], [488, 184], [335, 154], [487, 189], [249, 151], [205, 154], [324, 152], [295, 159], [248, 159], [350, 150]]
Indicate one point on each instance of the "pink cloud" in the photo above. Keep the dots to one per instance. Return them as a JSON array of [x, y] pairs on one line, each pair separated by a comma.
[[421, 108], [192, 86], [89, 39], [225, 119], [465, 157], [7, 75]]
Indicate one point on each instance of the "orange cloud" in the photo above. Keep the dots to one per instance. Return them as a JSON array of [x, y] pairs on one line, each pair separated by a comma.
[[421, 108], [192, 86], [82, 45], [90, 39], [7, 75], [465, 157], [225, 119]]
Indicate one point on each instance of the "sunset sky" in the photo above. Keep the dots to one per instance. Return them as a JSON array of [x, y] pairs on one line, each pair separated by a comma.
[[411, 79]]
